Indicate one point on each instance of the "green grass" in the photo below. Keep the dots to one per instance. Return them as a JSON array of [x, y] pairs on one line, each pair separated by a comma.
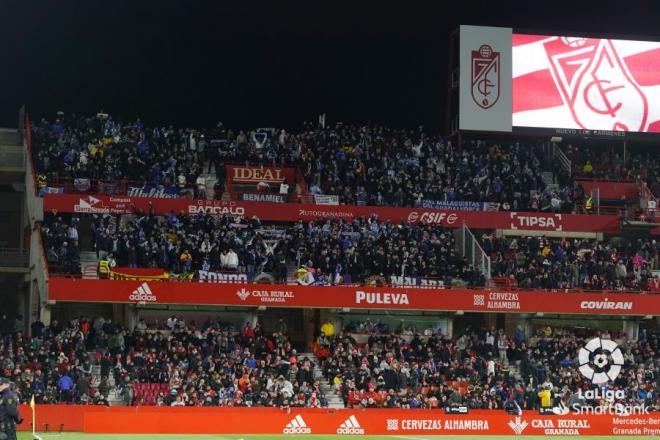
[[81, 436]]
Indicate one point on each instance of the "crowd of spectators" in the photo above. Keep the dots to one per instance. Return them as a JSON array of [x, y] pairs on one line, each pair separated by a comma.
[[553, 263], [480, 369], [363, 165], [609, 164], [62, 245], [212, 364], [327, 251]]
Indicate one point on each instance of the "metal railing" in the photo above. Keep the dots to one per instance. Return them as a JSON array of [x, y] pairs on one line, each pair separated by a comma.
[[498, 284], [557, 153], [470, 248], [14, 257]]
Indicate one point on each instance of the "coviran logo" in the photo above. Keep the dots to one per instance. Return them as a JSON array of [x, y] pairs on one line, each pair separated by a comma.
[[143, 293], [380, 298], [606, 305], [297, 426], [350, 427]]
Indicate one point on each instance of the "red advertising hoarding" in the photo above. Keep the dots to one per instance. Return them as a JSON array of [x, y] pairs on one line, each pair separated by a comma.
[[586, 83], [274, 421], [532, 221], [362, 297]]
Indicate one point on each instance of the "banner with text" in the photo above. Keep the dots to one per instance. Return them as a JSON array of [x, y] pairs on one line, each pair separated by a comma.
[[529, 221], [264, 197], [460, 206], [256, 174], [305, 421], [362, 297], [205, 276], [161, 192]]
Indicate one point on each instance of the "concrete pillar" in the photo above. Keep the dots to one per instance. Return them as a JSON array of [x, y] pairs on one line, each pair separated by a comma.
[[132, 316], [44, 315], [631, 328], [450, 326], [513, 320]]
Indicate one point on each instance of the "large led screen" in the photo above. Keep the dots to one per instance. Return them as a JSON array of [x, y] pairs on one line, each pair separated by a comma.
[[586, 83]]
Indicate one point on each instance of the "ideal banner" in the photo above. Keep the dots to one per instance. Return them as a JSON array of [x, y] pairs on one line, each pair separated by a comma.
[[163, 192], [360, 297], [256, 174], [305, 421], [586, 83], [485, 78], [528, 221]]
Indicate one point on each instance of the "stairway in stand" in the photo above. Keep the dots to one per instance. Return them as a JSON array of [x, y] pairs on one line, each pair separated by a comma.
[[334, 400], [114, 397]]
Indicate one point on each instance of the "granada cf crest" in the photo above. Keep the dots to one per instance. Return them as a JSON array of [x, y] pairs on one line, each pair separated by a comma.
[[596, 85], [485, 76]]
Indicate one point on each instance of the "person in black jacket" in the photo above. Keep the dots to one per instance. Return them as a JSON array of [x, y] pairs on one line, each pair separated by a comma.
[[9, 415]]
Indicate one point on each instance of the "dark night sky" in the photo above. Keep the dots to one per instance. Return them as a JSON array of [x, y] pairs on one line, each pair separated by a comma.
[[273, 63]]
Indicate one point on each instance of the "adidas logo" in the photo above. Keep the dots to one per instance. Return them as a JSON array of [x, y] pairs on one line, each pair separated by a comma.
[[297, 426], [143, 293], [350, 427]]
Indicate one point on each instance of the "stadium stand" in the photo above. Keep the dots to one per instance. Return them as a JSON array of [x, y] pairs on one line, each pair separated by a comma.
[[331, 251], [482, 369], [213, 364], [539, 262], [361, 165]]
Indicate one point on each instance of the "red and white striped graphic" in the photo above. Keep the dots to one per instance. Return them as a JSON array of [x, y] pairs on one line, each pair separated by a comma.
[[586, 83]]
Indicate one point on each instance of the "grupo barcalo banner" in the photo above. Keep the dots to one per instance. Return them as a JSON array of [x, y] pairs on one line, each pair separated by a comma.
[[205, 420], [532, 221], [361, 297]]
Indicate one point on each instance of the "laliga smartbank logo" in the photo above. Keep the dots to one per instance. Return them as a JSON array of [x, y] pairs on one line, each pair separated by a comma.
[[601, 361]]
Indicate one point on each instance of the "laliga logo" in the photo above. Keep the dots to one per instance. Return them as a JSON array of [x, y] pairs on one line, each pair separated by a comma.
[[600, 360]]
